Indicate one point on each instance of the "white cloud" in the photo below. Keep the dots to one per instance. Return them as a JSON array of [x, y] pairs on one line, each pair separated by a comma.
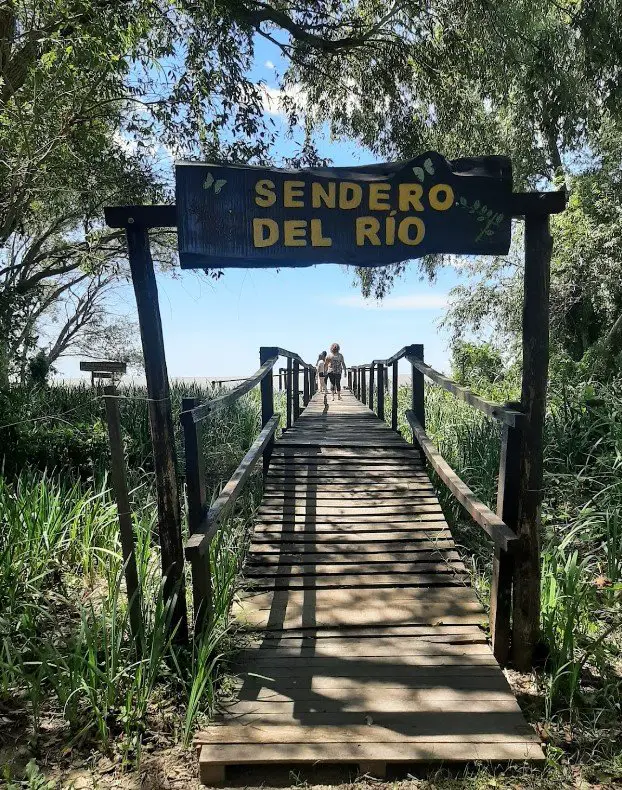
[[273, 98], [269, 65], [424, 301]]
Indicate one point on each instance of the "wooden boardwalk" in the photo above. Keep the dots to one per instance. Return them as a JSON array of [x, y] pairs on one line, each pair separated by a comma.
[[365, 639]]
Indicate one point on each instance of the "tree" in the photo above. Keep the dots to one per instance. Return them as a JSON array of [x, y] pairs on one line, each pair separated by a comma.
[[533, 79]]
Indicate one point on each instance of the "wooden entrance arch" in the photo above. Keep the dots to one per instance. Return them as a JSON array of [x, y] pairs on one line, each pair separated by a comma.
[[476, 184]]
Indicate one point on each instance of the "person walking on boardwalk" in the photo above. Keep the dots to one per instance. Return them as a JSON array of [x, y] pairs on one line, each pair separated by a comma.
[[336, 367], [321, 371]]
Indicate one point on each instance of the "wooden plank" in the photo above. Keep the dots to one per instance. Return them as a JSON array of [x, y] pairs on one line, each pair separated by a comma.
[[360, 510], [312, 557], [252, 754], [494, 527], [372, 541], [392, 728], [377, 606], [316, 635], [357, 581], [394, 647], [375, 665], [199, 541], [275, 494], [334, 569], [365, 522], [435, 702]]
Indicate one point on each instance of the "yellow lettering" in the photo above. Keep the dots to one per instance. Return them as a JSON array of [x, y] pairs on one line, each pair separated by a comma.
[[403, 231], [317, 240], [326, 195], [260, 237], [379, 197], [390, 231], [410, 197], [292, 192], [264, 193], [295, 232], [350, 194], [367, 229], [438, 203]]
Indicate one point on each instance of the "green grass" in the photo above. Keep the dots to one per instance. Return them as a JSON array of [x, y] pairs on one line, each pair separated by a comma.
[[579, 684], [66, 652]]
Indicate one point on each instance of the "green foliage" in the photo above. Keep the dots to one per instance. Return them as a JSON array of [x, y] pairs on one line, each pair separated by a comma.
[[64, 623], [476, 364]]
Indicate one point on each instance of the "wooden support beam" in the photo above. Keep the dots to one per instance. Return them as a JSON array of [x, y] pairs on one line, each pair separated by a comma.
[[161, 424], [394, 392], [371, 387], [415, 352], [196, 500], [288, 393], [380, 394], [526, 603], [267, 400], [296, 389]]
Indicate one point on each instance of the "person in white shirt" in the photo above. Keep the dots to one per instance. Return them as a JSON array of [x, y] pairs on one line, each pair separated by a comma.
[[321, 372], [335, 367]]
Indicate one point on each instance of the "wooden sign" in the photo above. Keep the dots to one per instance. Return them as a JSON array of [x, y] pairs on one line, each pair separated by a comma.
[[234, 216]]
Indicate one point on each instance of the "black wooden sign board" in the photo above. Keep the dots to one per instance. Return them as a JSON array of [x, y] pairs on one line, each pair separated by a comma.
[[234, 216]]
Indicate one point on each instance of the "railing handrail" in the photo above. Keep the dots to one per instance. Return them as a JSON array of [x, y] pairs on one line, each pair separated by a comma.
[[296, 357], [203, 410], [199, 541], [490, 522], [497, 411]]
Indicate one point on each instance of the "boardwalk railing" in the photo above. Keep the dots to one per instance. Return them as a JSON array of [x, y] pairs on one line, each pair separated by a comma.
[[368, 384], [204, 519]]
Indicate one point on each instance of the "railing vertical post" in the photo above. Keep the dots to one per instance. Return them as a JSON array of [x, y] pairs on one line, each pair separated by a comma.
[[267, 400], [363, 384], [280, 379], [503, 563], [350, 378], [394, 390], [118, 474], [371, 386], [305, 386], [296, 390], [288, 393], [355, 383], [197, 502], [418, 404], [380, 394]]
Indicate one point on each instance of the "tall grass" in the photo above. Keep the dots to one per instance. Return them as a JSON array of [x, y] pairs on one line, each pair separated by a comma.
[[66, 651], [582, 525]]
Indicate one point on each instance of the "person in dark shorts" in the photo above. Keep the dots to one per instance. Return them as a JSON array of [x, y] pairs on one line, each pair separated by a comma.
[[320, 367], [336, 367]]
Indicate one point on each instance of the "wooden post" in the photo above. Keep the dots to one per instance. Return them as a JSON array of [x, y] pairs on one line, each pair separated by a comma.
[[394, 391], [196, 499], [161, 425], [296, 390], [124, 514], [267, 400], [418, 404], [288, 393], [503, 563], [350, 379], [305, 386], [363, 384], [280, 379], [380, 394], [526, 603], [371, 386]]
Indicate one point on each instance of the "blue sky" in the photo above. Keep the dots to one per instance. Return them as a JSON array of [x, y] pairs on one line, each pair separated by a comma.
[[215, 328]]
